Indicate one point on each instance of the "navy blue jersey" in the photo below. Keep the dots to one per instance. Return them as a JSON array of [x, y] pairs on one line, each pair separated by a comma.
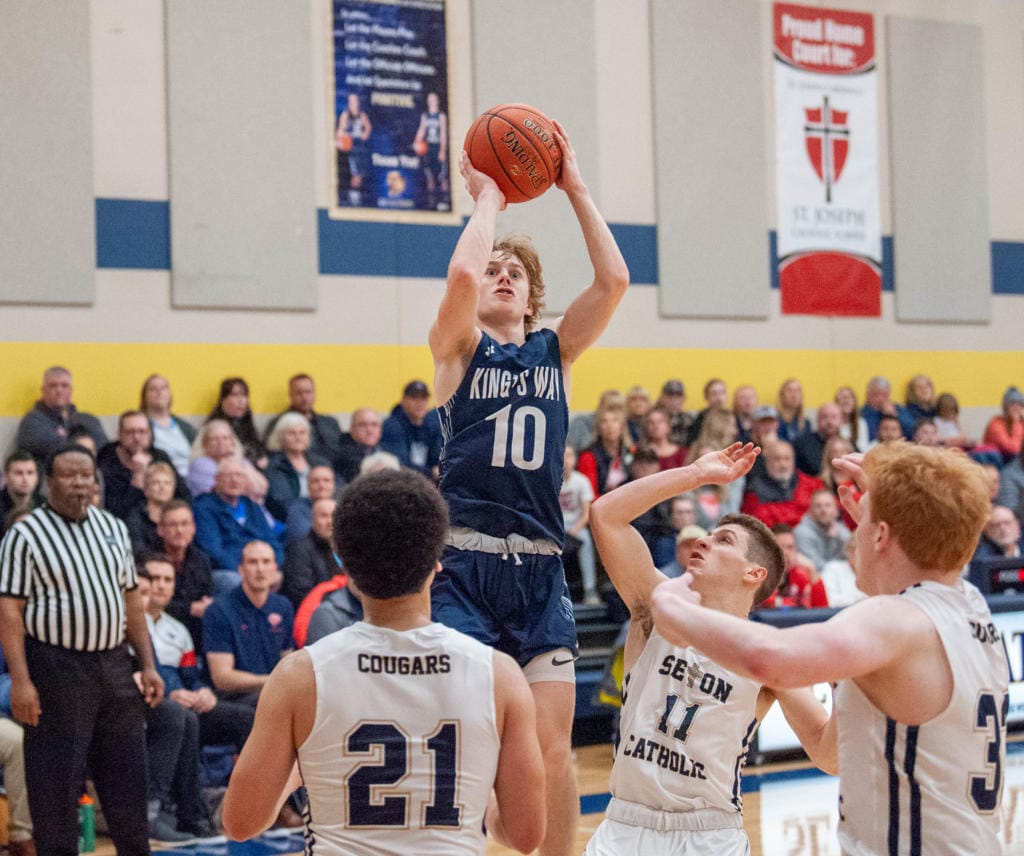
[[504, 440], [432, 128]]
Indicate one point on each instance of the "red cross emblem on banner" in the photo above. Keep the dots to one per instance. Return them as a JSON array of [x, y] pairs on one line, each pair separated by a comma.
[[827, 138]]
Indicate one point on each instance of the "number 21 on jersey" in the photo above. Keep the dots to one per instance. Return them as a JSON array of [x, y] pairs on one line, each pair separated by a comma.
[[374, 796]]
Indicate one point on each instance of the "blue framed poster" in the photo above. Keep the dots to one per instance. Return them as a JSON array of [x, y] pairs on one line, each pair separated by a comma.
[[391, 139]]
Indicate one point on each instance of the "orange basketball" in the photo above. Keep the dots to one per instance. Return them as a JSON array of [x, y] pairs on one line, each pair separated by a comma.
[[420, 147], [515, 145], [345, 142]]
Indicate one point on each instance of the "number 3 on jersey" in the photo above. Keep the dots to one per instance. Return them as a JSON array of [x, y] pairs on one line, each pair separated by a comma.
[[991, 718], [501, 453]]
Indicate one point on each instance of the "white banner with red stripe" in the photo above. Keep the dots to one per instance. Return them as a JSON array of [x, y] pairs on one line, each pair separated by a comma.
[[826, 142]]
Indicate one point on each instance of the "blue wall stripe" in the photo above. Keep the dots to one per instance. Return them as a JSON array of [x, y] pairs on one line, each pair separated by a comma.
[[639, 245], [136, 233], [133, 233], [1007, 267], [359, 248], [393, 249]]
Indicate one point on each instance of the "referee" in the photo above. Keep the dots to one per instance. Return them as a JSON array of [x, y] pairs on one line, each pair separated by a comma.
[[68, 599]]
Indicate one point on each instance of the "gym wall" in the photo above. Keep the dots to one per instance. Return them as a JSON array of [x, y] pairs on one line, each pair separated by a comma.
[[167, 180]]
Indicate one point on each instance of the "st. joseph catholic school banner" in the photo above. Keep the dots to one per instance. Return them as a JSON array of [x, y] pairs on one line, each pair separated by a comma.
[[826, 144]]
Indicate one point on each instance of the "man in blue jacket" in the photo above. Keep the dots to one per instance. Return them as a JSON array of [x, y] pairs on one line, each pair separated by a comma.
[[227, 520], [413, 432]]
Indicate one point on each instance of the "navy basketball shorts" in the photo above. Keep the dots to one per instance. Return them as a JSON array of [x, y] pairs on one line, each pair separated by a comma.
[[517, 603]]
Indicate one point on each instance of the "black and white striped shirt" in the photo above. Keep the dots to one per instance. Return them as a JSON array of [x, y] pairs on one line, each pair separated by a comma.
[[73, 576]]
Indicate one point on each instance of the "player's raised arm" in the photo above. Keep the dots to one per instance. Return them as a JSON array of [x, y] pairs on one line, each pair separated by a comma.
[[588, 315], [623, 551], [863, 638], [455, 334], [519, 783]]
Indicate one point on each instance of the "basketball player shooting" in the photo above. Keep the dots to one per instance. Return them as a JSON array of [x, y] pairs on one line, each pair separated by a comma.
[[921, 702], [402, 728], [504, 413]]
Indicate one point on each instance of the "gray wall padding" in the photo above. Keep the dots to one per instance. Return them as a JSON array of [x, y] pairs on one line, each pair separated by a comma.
[[710, 163], [240, 115], [939, 171]]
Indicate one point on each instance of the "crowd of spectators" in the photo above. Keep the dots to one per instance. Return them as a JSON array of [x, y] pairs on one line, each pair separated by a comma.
[[792, 487], [233, 526]]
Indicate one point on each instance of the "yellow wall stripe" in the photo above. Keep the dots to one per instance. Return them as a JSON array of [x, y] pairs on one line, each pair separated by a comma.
[[108, 376]]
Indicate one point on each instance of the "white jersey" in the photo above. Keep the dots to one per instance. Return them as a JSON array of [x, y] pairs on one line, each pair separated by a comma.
[[404, 748], [933, 788], [685, 728]]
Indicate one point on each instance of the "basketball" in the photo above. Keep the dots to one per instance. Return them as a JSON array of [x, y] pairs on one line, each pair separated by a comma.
[[515, 145], [420, 147], [345, 142]]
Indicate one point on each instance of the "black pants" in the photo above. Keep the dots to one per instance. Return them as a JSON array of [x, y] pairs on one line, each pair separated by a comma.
[[228, 723], [172, 745], [93, 719]]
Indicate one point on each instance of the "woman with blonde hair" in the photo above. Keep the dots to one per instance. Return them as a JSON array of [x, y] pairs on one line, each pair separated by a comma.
[[583, 426], [606, 461], [143, 519], [171, 433], [790, 404], [717, 431], [920, 397], [854, 428], [216, 441]]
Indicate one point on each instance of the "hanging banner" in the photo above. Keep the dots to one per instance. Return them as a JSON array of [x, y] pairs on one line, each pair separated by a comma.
[[826, 162], [389, 104]]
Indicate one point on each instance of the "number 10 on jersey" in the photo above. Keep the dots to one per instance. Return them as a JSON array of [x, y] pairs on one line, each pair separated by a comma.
[[504, 451]]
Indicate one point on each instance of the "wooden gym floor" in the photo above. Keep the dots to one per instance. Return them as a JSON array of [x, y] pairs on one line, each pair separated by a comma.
[[789, 809]]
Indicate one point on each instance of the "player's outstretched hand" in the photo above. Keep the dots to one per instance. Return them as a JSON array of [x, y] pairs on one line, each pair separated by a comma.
[[569, 178], [669, 602], [851, 467], [727, 465], [478, 183]]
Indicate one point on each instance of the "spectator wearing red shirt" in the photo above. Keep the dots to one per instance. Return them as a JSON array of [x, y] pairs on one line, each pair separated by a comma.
[[779, 493], [801, 586], [1006, 431]]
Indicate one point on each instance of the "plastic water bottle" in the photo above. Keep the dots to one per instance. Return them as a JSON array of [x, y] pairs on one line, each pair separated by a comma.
[[86, 825]]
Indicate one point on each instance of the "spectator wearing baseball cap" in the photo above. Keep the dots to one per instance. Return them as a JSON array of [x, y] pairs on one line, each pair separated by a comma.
[[412, 433], [687, 537], [672, 400], [1005, 432]]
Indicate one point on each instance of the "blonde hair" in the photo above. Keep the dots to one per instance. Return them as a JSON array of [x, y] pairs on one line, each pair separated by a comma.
[[717, 430], [934, 501], [198, 450], [158, 467], [521, 246], [827, 474]]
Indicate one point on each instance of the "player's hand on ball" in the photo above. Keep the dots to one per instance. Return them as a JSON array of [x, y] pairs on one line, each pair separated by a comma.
[[569, 178], [478, 182]]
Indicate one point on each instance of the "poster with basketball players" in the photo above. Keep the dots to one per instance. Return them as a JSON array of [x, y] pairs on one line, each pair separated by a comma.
[[390, 140], [826, 163]]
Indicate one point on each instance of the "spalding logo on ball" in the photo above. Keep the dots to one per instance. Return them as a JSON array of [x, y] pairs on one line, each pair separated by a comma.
[[515, 145]]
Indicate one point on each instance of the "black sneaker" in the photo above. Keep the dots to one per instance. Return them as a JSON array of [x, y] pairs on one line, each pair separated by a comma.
[[163, 833], [203, 830]]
